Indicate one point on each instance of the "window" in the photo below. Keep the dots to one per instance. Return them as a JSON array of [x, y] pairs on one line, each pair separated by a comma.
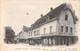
[[61, 28], [66, 17], [44, 30], [38, 32], [35, 33], [66, 29], [70, 29], [31, 33], [50, 29]]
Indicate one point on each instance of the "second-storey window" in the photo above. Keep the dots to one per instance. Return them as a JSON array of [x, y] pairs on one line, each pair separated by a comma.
[[61, 28], [70, 29], [31, 33], [66, 29], [50, 29], [34, 33], [44, 30], [38, 32]]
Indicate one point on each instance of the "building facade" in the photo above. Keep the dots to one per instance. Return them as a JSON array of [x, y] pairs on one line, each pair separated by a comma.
[[23, 35], [57, 27]]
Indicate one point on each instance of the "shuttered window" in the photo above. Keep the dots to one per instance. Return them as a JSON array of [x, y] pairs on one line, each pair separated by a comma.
[[61, 28], [50, 29], [70, 29], [44, 30], [66, 29]]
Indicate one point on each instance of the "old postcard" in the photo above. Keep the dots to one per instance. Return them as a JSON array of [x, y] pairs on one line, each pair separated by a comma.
[[39, 25]]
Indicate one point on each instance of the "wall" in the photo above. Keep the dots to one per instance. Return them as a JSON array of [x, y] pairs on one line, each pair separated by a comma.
[[63, 22], [23, 35], [47, 26]]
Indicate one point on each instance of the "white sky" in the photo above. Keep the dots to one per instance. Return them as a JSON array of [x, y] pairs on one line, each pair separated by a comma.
[[13, 12]]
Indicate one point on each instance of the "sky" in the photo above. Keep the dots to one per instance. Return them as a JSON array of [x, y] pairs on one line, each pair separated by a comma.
[[14, 12]]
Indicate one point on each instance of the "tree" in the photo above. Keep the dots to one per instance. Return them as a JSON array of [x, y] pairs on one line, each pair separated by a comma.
[[9, 34]]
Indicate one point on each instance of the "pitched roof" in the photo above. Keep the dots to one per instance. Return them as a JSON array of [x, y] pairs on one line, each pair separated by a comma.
[[26, 29], [54, 13]]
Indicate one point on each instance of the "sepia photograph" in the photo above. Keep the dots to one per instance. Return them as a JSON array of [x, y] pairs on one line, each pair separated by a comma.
[[40, 25]]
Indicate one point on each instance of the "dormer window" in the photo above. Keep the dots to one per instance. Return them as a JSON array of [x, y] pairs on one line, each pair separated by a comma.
[[66, 17], [47, 19]]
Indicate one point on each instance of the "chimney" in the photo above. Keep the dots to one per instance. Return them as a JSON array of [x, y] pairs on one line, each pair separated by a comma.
[[41, 15], [51, 8]]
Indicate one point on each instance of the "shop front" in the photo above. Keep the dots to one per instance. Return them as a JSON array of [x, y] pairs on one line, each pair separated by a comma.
[[58, 40]]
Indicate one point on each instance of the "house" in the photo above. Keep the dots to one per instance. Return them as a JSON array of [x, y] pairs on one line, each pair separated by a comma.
[[57, 27], [22, 37]]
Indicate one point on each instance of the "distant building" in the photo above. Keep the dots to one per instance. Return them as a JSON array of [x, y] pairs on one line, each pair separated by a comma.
[[57, 27], [22, 36]]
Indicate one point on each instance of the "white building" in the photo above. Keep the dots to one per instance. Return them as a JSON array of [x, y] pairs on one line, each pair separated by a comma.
[[57, 27]]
